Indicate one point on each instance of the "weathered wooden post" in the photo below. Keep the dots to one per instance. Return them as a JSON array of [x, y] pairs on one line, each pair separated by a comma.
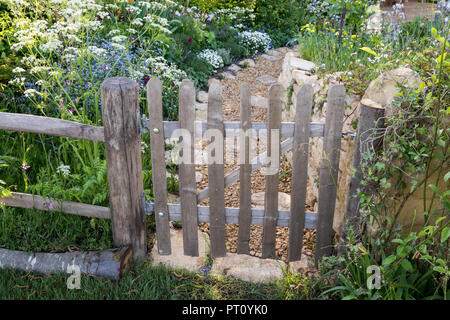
[[245, 171], [272, 173], [329, 170], [124, 163], [216, 177], [371, 119], [300, 155]]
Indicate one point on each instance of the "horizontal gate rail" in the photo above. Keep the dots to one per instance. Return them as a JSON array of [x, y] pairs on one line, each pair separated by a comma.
[[232, 215], [232, 128]]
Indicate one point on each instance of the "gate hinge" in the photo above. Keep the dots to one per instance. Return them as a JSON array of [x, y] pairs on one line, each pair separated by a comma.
[[147, 207], [349, 133], [143, 125]]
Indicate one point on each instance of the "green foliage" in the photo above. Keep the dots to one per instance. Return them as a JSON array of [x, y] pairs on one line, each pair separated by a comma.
[[413, 259], [143, 282], [8, 59], [190, 35], [211, 5], [280, 19], [225, 54]]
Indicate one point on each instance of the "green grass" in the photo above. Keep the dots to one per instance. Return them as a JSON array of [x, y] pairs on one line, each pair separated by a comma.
[[142, 282], [34, 230]]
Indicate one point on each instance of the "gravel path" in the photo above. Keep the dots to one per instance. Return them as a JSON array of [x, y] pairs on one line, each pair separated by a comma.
[[265, 65]]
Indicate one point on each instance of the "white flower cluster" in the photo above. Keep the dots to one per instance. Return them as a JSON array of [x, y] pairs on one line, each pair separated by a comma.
[[211, 57], [157, 22], [236, 13], [158, 66], [255, 41], [64, 170], [97, 52]]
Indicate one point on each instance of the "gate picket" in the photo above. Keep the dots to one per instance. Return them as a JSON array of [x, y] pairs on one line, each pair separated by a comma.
[[245, 173], [188, 194], [271, 193], [329, 170], [299, 170], [216, 179], [154, 99]]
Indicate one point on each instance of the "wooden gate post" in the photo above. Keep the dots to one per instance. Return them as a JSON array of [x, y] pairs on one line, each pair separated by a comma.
[[371, 118], [124, 163]]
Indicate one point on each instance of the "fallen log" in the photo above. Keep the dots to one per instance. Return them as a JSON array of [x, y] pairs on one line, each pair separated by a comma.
[[109, 263]]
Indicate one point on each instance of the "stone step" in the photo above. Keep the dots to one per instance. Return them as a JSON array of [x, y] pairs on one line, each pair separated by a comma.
[[267, 79], [247, 63]]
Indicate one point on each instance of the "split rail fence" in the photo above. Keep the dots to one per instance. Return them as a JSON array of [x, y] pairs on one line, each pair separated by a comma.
[[121, 133]]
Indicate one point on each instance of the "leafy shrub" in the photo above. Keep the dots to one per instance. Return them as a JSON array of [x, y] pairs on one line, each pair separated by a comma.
[[413, 259], [331, 11], [211, 5], [225, 54], [281, 19]]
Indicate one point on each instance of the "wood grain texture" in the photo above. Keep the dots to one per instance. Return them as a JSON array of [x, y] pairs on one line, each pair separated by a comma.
[[154, 99], [29, 201], [232, 216], [110, 263], [232, 128], [216, 183], [188, 189], [329, 170], [245, 171], [371, 120], [50, 126], [271, 192], [299, 170], [124, 164]]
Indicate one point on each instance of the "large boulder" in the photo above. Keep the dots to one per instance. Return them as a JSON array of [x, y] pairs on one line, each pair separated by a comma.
[[382, 90]]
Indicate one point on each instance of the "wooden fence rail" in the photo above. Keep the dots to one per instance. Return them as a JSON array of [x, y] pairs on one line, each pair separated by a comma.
[[29, 201], [50, 126]]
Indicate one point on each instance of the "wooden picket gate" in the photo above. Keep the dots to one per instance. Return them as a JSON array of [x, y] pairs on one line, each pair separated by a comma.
[[121, 133], [216, 214]]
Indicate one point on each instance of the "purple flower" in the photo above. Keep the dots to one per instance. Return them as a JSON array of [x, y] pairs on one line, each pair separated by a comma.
[[189, 40], [25, 166], [89, 84]]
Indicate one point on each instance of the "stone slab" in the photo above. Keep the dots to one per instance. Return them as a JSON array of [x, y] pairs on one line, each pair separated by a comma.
[[248, 268], [266, 79], [177, 259], [247, 63], [202, 96], [301, 64]]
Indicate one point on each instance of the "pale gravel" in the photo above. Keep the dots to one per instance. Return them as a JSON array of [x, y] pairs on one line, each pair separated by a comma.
[[231, 112]]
